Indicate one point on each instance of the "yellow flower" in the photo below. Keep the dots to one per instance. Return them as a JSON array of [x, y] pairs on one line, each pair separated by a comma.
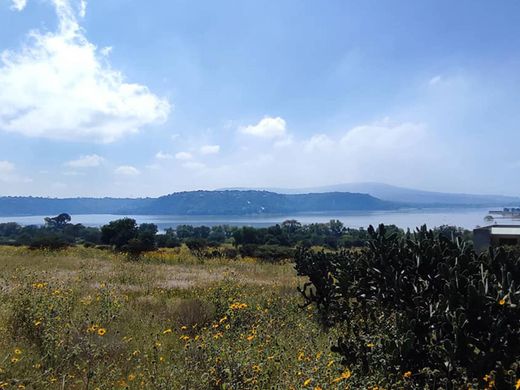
[[345, 375], [250, 337], [185, 338], [307, 382], [131, 377], [517, 385], [301, 355], [21, 386], [370, 345], [487, 378], [318, 388], [184, 327], [330, 363], [407, 374], [101, 331], [17, 351], [37, 323], [502, 302], [167, 331], [15, 360]]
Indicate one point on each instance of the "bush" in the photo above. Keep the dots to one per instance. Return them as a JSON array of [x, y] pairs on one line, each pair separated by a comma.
[[50, 241], [423, 308]]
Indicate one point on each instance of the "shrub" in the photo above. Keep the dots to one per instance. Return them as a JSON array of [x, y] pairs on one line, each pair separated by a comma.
[[49, 241], [422, 305]]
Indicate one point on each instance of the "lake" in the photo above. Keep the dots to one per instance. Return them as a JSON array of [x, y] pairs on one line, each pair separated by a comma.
[[467, 218]]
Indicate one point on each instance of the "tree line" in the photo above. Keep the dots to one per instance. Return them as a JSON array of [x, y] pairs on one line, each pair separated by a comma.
[[127, 235]]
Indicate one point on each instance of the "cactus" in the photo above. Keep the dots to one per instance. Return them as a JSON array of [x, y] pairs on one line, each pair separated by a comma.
[[448, 314]]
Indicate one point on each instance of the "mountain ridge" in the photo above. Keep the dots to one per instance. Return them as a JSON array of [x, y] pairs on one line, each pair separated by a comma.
[[392, 193], [227, 202]]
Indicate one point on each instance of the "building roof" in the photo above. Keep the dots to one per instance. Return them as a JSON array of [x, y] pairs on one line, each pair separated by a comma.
[[503, 230]]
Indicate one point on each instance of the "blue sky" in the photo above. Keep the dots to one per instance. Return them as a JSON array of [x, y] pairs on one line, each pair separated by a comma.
[[126, 98]]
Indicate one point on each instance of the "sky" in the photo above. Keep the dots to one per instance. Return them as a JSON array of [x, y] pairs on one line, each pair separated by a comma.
[[134, 99]]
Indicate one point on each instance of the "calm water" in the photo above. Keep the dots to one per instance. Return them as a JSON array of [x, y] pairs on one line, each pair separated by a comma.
[[467, 218]]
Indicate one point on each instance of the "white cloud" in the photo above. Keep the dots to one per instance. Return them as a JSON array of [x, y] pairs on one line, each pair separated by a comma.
[[89, 161], [61, 86], [18, 5], [268, 127], [127, 170], [6, 167], [210, 149], [318, 142], [163, 156], [435, 80], [8, 173], [194, 165], [383, 138], [183, 156]]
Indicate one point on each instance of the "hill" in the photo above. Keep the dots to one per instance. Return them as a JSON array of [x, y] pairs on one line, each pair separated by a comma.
[[409, 196], [197, 203]]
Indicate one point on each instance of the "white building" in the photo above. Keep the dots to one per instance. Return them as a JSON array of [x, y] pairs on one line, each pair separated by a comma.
[[495, 235]]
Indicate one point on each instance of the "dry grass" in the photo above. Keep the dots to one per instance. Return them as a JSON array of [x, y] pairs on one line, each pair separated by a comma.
[[171, 322]]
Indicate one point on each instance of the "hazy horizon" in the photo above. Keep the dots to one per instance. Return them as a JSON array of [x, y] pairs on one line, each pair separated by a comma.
[[128, 99]]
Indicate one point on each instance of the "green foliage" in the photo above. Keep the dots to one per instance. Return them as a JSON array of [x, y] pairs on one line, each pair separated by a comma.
[[422, 303]]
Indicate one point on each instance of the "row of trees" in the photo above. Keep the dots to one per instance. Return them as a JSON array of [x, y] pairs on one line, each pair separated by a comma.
[[128, 236]]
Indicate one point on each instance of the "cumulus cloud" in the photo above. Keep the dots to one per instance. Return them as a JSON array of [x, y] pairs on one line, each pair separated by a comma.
[[18, 5], [268, 128], [8, 173], [163, 156], [183, 156], [88, 161], [59, 85], [210, 149], [317, 142], [127, 170], [384, 138]]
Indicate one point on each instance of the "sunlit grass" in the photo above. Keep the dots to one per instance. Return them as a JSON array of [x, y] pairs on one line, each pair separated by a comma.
[[86, 318]]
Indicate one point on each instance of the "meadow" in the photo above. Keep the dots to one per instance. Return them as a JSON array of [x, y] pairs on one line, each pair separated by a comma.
[[85, 318]]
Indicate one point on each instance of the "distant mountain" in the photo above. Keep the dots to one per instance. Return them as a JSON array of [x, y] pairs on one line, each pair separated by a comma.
[[407, 195], [198, 203], [21, 205]]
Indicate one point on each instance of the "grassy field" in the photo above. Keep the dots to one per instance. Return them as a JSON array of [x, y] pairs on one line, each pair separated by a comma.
[[90, 319]]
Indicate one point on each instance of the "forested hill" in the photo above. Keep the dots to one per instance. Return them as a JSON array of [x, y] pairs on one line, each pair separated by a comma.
[[197, 203]]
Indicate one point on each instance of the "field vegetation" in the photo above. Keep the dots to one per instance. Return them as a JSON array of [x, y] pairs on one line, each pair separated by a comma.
[[261, 308], [87, 318]]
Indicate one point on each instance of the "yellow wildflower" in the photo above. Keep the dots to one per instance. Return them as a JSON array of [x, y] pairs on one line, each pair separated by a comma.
[[502, 302], [17, 351], [15, 360], [517, 385], [307, 382], [344, 375], [407, 374], [131, 377], [101, 331], [167, 331]]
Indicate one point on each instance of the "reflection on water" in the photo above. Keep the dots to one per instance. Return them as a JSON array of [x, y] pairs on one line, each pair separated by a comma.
[[467, 218]]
